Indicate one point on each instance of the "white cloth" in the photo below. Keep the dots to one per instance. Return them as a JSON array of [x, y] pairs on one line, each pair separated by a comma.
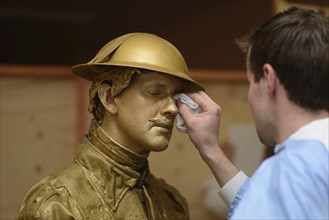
[[194, 107]]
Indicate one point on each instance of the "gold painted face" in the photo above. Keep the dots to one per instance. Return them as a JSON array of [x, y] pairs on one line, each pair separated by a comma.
[[145, 113]]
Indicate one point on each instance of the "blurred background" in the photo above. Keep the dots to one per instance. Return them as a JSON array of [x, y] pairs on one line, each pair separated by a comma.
[[44, 107]]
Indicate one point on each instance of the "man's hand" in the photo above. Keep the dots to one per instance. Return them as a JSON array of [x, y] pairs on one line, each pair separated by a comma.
[[203, 130]]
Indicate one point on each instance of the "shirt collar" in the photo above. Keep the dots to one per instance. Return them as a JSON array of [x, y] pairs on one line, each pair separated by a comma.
[[315, 130]]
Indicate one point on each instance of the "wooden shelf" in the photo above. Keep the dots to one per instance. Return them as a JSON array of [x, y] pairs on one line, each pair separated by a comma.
[[10, 70], [35, 70]]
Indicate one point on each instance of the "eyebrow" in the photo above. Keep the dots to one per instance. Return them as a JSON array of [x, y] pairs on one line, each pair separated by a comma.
[[177, 83], [156, 85], [175, 87]]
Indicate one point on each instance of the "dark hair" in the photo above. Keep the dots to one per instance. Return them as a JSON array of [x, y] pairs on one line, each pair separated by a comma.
[[296, 43], [99, 111]]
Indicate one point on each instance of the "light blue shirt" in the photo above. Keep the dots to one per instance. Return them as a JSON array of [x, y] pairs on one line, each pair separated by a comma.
[[292, 184]]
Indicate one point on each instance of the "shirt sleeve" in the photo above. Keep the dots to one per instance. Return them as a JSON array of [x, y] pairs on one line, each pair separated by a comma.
[[229, 190], [293, 184]]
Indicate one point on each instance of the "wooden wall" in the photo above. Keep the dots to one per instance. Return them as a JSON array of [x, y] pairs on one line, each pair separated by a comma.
[[44, 115], [37, 134], [43, 111]]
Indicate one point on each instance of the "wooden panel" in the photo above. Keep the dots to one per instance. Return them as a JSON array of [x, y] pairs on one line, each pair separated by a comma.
[[15, 70], [218, 75], [42, 118], [37, 134], [65, 71]]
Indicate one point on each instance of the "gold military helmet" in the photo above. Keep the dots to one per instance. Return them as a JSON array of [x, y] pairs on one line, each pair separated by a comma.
[[139, 50]]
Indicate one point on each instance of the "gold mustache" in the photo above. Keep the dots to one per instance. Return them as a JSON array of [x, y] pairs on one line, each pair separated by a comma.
[[162, 122]]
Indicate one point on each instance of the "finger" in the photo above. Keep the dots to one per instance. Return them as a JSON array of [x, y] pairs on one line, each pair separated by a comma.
[[203, 100]]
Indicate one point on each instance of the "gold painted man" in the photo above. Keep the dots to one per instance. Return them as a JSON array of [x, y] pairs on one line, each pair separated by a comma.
[[134, 78]]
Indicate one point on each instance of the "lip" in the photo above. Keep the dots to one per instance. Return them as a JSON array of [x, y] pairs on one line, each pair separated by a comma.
[[167, 126]]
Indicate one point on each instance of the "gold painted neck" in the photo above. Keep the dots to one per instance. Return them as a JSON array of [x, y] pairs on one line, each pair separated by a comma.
[[115, 151]]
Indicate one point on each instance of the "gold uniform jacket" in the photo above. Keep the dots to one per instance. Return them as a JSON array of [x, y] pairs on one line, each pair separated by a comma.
[[106, 181]]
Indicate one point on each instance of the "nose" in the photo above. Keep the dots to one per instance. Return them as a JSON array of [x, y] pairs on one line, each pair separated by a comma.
[[170, 109]]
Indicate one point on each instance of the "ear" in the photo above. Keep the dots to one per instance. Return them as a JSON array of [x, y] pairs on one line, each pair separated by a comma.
[[104, 94], [271, 79]]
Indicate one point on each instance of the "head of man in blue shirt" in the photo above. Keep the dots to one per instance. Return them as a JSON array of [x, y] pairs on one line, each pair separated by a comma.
[[288, 72], [291, 50]]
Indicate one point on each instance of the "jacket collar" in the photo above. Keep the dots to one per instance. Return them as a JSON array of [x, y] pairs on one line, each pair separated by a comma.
[[113, 168]]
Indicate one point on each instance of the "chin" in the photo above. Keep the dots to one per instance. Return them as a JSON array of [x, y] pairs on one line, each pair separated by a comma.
[[267, 141], [158, 147]]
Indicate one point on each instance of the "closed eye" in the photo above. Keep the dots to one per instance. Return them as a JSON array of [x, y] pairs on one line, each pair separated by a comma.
[[154, 93]]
